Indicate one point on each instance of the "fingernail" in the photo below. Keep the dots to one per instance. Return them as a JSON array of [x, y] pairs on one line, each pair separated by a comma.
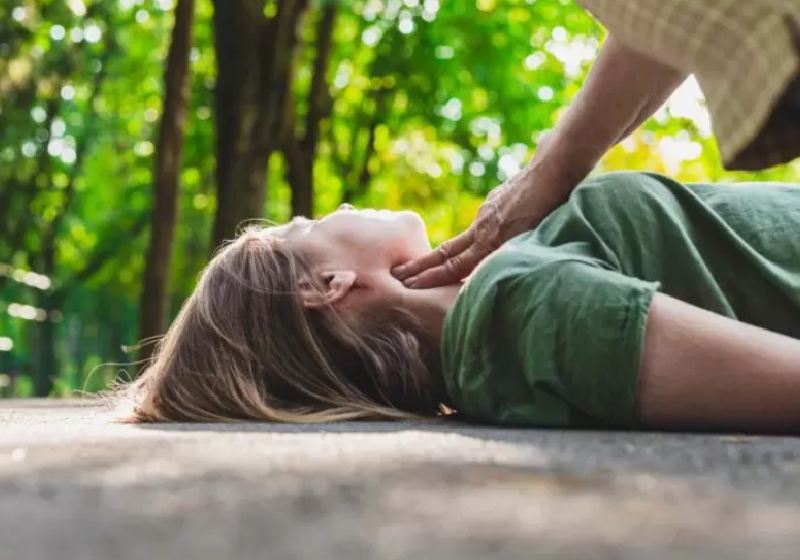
[[398, 270], [410, 283]]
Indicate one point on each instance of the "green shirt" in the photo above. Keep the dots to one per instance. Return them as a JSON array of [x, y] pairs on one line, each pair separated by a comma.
[[548, 330]]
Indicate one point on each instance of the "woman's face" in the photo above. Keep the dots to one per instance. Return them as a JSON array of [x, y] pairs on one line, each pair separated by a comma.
[[361, 239]]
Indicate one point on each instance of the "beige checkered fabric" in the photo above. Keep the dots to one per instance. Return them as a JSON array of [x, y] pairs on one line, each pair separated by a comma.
[[745, 55]]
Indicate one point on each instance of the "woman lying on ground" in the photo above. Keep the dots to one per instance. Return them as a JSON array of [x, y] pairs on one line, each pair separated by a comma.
[[639, 303]]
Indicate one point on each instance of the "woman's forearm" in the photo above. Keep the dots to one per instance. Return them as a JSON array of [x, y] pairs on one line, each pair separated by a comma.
[[700, 370], [622, 90]]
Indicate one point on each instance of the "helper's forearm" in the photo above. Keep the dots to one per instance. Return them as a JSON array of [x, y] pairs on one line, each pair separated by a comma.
[[622, 90]]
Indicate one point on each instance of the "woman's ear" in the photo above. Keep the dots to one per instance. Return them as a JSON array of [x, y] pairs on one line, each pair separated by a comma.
[[337, 284]]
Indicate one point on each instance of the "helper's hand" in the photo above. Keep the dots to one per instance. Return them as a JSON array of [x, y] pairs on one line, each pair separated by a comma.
[[509, 210]]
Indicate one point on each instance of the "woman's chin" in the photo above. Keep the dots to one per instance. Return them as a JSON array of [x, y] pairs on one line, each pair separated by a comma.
[[420, 234]]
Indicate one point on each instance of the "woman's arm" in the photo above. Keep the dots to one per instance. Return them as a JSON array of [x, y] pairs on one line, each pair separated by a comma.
[[703, 370]]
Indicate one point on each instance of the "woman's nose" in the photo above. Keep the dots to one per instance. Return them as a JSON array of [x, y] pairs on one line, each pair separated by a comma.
[[346, 206]]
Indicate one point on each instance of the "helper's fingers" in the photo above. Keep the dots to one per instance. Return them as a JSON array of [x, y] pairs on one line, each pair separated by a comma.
[[451, 271], [437, 257]]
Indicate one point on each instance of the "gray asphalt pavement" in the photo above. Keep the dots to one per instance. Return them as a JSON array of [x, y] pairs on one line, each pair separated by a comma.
[[75, 485]]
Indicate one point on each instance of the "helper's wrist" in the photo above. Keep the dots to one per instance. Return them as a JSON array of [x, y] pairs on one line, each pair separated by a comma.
[[553, 173]]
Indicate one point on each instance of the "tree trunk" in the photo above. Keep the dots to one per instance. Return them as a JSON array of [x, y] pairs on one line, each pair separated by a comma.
[[255, 57], [357, 184], [301, 153], [169, 149]]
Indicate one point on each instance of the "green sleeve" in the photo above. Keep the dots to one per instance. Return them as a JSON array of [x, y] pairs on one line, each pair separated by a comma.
[[574, 331]]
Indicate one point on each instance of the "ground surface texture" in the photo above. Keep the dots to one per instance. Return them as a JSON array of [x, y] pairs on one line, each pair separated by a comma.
[[74, 485]]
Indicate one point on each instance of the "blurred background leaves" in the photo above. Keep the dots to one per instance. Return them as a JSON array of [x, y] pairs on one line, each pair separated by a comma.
[[420, 104]]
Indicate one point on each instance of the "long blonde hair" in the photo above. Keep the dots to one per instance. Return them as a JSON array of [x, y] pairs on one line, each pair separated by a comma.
[[245, 347]]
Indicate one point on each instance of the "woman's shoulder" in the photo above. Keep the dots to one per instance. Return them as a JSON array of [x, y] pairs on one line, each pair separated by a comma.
[[523, 255], [526, 258]]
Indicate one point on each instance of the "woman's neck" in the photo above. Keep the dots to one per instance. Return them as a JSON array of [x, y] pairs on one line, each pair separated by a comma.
[[429, 306]]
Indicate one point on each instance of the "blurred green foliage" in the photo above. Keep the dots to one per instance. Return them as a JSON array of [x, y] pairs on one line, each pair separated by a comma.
[[434, 103]]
